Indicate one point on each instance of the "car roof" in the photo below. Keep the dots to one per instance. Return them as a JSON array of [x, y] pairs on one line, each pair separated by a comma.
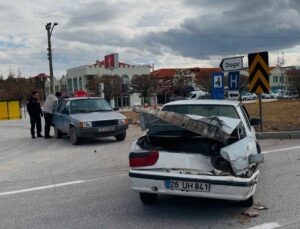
[[204, 102], [81, 98]]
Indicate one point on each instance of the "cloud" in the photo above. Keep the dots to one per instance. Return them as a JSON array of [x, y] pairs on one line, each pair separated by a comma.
[[166, 33], [96, 13], [246, 27]]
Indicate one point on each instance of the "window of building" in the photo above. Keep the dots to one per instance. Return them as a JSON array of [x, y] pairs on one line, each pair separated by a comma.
[[275, 79], [56, 88], [63, 88], [70, 86], [75, 84], [125, 83], [80, 83]]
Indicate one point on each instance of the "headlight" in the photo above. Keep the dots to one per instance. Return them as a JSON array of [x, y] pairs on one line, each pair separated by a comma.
[[123, 121], [85, 124]]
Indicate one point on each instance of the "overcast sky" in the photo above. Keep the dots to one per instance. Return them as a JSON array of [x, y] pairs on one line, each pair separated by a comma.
[[166, 33]]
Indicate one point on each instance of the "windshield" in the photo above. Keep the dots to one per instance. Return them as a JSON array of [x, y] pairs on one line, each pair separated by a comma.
[[89, 105], [204, 110]]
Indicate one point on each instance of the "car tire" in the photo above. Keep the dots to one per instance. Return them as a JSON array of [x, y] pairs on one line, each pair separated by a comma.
[[121, 137], [249, 202], [74, 139], [148, 198], [57, 132], [244, 99]]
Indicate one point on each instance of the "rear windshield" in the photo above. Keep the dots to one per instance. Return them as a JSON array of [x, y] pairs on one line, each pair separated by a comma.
[[89, 105], [204, 110]]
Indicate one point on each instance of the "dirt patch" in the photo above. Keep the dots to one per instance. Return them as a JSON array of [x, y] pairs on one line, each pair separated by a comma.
[[279, 115], [134, 116]]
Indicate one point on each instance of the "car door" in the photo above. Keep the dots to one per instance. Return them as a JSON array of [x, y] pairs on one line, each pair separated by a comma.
[[65, 117], [57, 116]]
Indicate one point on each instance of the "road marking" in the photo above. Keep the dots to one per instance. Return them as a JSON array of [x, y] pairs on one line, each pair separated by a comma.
[[266, 226], [45, 187], [59, 185], [282, 149]]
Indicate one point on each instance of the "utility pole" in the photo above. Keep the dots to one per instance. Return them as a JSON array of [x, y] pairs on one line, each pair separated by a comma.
[[49, 28]]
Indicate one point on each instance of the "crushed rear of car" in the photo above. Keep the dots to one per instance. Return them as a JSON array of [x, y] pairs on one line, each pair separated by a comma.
[[191, 155]]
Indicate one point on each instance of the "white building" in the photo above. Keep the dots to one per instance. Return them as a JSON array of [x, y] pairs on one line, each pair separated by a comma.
[[77, 78]]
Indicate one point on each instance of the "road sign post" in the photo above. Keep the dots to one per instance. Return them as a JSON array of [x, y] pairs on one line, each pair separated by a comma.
[[259, 77], [217, 85]]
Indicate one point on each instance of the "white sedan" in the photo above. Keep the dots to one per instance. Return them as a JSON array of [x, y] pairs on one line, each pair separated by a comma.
[[200, 148], [249, 96]]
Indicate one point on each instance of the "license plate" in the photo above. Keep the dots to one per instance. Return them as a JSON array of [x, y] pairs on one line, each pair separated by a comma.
[[187, 186], [106, 129]]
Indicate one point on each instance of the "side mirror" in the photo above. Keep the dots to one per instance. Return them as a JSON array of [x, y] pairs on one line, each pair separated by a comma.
[[116, 108], [255, 122]]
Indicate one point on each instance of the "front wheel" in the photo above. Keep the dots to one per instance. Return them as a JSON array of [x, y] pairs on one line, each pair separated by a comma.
[[148, 198], [74, 139], [121, 137]]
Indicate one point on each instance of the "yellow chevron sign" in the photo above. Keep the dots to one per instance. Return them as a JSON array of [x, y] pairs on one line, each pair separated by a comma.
[[259, 72]]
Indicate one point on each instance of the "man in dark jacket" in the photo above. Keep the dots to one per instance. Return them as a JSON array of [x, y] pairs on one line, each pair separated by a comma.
[[35, 113]]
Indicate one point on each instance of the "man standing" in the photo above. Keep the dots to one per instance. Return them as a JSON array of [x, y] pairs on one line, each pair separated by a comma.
[[50, 103], [35, 113]]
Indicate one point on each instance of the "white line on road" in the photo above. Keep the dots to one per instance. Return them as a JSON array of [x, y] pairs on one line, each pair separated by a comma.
[[44, 187], [266, 226], [282, 149], [58, 185]]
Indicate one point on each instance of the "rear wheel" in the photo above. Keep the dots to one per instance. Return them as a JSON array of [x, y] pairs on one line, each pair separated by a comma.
[[57, 132], [121, 137], [74, 139], [148, 198], [248, 203]]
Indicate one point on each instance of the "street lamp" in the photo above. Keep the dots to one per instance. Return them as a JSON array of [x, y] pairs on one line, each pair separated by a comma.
[[49, 28]]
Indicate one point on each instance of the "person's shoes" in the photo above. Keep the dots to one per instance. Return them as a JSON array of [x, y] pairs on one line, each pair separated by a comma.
[[39, 136], [33, 137], [48, 136]]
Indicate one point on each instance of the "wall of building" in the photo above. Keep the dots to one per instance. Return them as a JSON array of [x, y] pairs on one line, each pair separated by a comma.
[[127, 72]]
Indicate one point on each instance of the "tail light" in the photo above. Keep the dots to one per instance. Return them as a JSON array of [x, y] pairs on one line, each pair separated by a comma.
[[143, 159]]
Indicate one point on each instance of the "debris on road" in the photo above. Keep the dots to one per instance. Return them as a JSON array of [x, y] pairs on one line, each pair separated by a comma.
[[260, 207], [251, 213]]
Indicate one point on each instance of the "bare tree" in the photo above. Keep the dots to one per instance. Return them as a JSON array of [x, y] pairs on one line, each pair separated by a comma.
[[204, 83], [295, 85], [17, 88], [112, 86], [144, 84], [182, 81], [92, 85]]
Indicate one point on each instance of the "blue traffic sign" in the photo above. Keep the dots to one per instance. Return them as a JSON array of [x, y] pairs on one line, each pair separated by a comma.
[[217, 85], [233, 81]]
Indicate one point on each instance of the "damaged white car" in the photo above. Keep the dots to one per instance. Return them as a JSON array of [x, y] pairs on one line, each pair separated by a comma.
[[199, 148]]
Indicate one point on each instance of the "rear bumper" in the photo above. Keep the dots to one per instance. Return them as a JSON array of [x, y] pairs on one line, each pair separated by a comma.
[[94, 132], [221, 187]]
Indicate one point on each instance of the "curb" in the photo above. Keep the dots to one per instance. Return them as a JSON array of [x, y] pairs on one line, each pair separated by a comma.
[[278, 135]]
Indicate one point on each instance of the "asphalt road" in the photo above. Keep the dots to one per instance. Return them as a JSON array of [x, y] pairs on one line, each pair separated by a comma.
[[52, 184]]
